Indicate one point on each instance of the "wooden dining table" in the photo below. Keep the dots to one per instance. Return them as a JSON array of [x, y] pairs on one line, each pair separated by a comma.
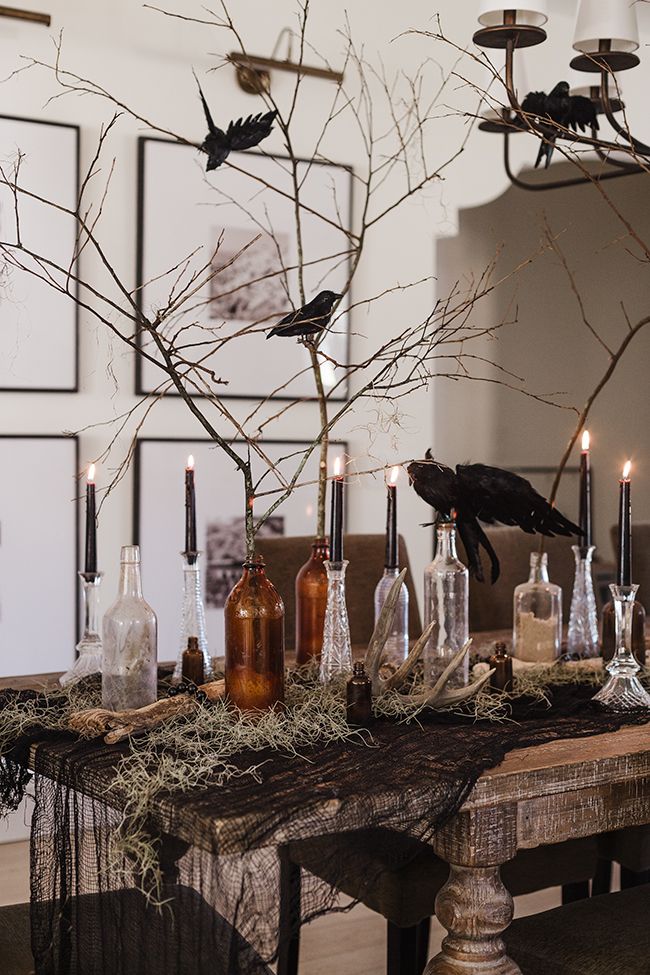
[[544, 794]]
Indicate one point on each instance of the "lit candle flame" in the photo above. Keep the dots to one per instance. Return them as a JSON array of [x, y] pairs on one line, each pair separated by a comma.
[[394, 474], [627, 467], [90, 476], [337, 467], [585, 440], [190, 462]]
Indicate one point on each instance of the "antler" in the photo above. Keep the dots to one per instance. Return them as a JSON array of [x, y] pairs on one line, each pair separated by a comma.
[[438, 695]]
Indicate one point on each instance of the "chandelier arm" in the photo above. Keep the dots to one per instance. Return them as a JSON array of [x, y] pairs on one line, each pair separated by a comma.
[[639, 147], [619, 164], [556, 184], [562, 133]]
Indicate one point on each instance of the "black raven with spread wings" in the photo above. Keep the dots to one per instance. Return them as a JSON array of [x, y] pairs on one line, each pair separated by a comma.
[[568, 111], [242, 134], [312, 318], [480, 493]]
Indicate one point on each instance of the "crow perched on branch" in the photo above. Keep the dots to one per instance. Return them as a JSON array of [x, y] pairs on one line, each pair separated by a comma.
[[242, 134], [311, 318], [481, 493], [568, 111]]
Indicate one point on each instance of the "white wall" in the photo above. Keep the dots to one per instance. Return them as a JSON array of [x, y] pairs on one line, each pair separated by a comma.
[[146, 58]]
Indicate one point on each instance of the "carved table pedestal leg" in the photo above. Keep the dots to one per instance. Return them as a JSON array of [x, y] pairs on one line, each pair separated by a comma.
[[475, 908]]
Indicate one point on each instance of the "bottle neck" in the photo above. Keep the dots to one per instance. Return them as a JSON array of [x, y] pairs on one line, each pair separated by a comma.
[[538, 569], [446, 542], [320, 549], [130, 580]]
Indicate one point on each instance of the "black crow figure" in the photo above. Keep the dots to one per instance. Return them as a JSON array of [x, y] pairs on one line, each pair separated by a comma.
[[569, 111], [242, 134], [311, 318], [480, 493]]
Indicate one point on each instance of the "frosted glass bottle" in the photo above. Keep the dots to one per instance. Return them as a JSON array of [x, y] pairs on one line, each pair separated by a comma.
[[537, 615], [397, 645], [129, 639], [446, 600]]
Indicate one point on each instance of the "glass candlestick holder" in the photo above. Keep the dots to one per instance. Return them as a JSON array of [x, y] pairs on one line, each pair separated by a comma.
[[193, 615], [397, 645], [89, 648], [336, 657], [623, 691], [582, 637]]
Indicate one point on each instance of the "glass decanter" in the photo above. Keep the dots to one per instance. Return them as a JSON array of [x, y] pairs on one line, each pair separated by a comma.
[[537, 615], [193, 615], [446, 600], [254, 623], [129, 637], [311, 602], [89, 648], [397, 645], [623, 691], [582, 637], [336, 657]]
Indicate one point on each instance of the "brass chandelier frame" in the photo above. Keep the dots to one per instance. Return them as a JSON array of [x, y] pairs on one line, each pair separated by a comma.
[[510, 36]]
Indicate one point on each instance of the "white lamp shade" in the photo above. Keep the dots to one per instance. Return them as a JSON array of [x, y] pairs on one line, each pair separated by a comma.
[[606, 20], [534, 14]]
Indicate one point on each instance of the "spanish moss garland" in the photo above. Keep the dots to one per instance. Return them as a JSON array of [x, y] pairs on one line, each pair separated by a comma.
[[197, 751]]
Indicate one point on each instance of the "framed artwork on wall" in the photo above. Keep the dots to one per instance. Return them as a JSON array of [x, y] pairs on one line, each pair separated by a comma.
[[159, 515], [39, 544], [38, 324], [232, 223]]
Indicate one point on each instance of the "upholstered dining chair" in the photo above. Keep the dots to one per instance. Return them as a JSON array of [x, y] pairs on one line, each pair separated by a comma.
[[285, 555], [490, 606], [606, 935]]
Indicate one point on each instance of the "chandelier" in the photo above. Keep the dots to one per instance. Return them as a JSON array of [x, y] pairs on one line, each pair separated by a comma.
[[606, 37]]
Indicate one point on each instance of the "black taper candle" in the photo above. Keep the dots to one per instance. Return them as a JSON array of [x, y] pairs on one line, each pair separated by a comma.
[[625, 530], [190, 511], [336, 525], [585, 494], [392, 561], [90, 562]]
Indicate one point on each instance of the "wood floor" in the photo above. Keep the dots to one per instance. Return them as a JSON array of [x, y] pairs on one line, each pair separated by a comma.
[[350, 944]]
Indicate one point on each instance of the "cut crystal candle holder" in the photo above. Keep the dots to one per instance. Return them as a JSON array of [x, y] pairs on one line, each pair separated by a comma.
[[193, 615], [336, 657], [582, 638], [89, 648], [623, 691]]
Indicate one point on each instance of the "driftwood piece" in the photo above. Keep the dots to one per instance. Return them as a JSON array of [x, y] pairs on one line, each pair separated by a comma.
[[117, 725]]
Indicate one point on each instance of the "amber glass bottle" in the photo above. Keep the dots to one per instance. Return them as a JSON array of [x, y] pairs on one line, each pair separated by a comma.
[[254, 619], [311, 600], [608, 634], [193, 662]]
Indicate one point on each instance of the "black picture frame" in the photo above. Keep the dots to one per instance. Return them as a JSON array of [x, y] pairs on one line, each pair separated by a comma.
[[162, 541], [74, 388], [51, 533], [140, 387]]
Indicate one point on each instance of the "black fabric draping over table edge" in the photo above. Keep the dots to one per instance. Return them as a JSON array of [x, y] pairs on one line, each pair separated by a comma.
[[226, 837]]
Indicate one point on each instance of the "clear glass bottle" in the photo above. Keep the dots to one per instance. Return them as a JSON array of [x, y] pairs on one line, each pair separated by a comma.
[[193, 615], [397, 644], [537, 615], [129, 637], [89, 648], [446, 599], [311, 602], [623, 691], [337, 648], [582, 637], [254, 624]]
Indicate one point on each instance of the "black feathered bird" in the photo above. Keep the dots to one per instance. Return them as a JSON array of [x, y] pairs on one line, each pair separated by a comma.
[[311, 318], [242, 134], [480, 493], [568, 111]]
